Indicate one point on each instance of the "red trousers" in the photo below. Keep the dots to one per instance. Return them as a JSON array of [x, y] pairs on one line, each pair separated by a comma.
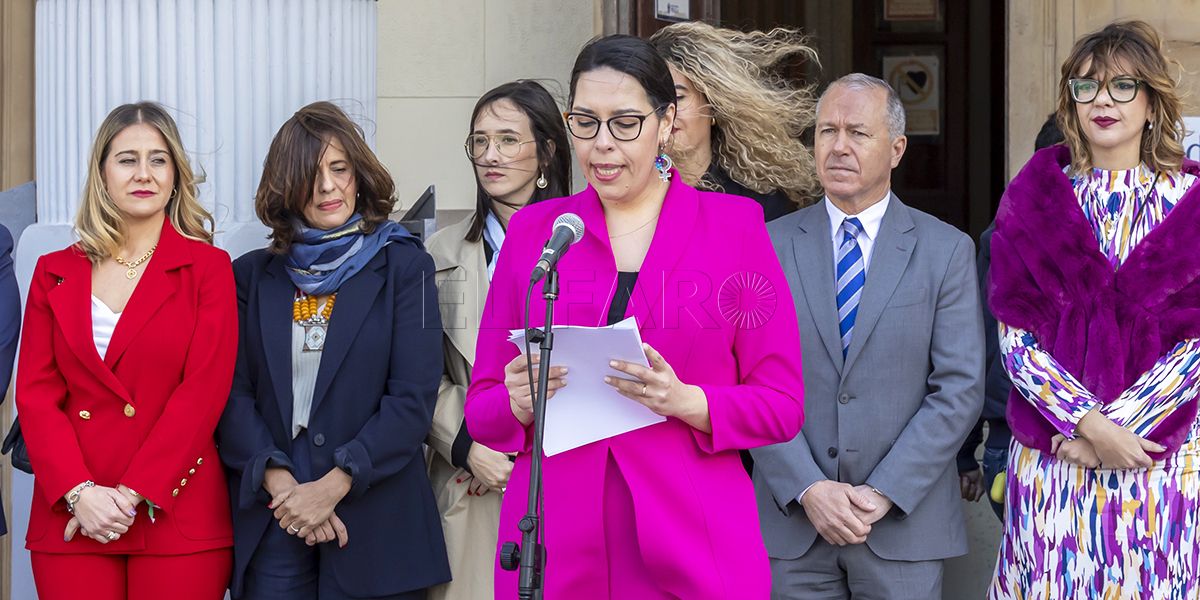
[[199, 576]]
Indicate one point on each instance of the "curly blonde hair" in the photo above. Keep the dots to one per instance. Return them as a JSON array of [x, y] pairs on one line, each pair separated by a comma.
[[1136, 46], [759, 117], [99, 222]]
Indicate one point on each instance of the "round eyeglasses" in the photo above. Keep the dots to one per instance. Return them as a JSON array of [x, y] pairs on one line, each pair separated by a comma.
[[507, 144], [624, 128], [1120, 89]]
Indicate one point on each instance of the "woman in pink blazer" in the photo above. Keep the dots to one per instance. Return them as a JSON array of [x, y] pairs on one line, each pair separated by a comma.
[[665, 511]]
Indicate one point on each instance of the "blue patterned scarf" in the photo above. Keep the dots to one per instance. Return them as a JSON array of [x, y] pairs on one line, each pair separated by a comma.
[[320, 260]]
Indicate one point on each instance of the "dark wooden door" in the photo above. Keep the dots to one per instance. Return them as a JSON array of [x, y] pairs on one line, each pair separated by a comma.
[[923, 59], [948, 66]]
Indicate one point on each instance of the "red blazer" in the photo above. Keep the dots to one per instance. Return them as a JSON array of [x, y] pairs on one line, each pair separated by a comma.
[[143, 416]]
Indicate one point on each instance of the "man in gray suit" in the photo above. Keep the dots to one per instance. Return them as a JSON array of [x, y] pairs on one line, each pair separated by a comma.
[[864, 503]]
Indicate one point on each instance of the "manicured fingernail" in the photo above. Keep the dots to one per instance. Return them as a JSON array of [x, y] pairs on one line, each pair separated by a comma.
[[133, 513], [608, 379], [612, 363]]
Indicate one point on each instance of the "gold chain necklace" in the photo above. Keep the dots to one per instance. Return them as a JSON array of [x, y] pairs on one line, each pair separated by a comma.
[[635, 230], [132, 266]]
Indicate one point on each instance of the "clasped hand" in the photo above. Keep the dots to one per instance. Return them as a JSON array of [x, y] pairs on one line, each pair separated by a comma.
[[843, 514], [490, 470], [102, 513], [1105, 444], [306, 510]]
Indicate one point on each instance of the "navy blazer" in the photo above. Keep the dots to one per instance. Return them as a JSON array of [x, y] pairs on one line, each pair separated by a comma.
[[10, 322], [372, 409]]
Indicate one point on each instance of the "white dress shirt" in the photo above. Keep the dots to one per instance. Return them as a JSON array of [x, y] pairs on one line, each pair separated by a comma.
[[871, 219]]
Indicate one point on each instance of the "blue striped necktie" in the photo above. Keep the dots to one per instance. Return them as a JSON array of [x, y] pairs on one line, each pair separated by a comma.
[[851, 275]]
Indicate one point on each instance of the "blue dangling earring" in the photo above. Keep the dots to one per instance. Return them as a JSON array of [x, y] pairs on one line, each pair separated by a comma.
[[663, 163]]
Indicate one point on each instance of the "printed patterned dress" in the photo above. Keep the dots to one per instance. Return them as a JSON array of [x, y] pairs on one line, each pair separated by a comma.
[[1073, 532]]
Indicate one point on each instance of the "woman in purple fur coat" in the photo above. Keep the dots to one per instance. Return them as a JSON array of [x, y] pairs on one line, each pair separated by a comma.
[[1095, 284]]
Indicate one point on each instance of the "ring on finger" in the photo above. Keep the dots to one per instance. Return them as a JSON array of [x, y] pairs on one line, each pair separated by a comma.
[[112, 535], [292, 528], [644, 389]]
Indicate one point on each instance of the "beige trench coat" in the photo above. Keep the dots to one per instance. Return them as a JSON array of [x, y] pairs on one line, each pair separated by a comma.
[[470, 522]]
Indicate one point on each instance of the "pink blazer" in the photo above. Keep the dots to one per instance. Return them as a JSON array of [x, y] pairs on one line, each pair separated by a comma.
[[712, 298]]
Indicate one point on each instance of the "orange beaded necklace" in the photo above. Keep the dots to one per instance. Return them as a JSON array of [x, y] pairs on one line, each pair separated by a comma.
[[314, 321], [304, 309]]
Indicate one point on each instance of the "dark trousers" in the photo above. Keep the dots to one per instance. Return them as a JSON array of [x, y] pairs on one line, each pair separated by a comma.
[[285, 568], [995, 461]]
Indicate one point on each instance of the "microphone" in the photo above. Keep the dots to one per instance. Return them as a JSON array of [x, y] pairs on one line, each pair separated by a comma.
[[568, 229]]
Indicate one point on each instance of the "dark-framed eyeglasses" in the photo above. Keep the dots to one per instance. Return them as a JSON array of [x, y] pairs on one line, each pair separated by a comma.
[[1121, 89], [624, 128], [507, 144]]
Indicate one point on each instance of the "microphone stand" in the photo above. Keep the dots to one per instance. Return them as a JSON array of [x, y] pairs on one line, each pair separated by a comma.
[[529, 557]]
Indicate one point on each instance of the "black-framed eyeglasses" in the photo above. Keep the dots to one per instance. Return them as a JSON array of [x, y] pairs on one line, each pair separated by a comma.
[[1120, 89], [507, 144], [625, 128]]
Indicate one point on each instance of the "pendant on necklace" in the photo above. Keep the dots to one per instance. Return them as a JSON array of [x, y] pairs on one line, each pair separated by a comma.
[[131, 273], [314, 338]]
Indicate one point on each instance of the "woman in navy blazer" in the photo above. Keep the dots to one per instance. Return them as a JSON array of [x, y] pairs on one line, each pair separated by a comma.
[[324, 428], [10, 322]]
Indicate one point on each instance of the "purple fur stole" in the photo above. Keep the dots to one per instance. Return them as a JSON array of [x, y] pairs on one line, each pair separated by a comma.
[[1105, 326]]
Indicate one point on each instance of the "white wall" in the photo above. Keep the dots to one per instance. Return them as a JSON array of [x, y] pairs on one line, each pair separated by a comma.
[[436, 58]]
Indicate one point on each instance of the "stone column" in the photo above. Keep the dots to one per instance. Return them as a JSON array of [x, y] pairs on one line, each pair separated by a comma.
[[230, 71]]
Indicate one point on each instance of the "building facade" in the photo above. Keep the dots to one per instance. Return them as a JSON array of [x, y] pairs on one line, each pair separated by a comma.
[[410, 71]]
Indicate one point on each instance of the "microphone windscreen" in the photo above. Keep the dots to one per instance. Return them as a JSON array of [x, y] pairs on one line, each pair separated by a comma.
[[573, 221]]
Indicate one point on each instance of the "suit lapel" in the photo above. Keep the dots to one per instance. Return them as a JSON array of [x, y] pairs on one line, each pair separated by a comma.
[[159, 283], [889, 258], [813, 247], [71, 303], [595, 256], [462, 269], [275, 296], [354, 301], [676, 223], [474, 281]]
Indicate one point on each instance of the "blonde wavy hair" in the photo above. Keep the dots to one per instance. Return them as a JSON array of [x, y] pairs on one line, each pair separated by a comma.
[[759, 117], [99, 222], [1136, 46]]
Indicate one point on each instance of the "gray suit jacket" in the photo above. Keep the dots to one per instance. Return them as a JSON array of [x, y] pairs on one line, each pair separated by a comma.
[[893, 413]]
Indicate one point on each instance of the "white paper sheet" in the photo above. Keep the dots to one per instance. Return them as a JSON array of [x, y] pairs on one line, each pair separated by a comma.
[[587, 409]]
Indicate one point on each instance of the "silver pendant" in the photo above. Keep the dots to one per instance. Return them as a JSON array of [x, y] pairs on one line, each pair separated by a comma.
[[314, 338]]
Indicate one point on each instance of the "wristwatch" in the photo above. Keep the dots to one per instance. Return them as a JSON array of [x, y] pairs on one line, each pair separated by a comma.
[[73, 495]]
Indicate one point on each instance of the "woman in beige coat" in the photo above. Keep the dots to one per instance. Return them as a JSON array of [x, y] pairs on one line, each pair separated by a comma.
[[519, 148]]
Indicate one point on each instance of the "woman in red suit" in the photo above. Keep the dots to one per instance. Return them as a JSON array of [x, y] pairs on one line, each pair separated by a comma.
[[127, 356]]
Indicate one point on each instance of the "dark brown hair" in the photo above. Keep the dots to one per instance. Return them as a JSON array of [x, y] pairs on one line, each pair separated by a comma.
[[290, 172], [553, 147], [1137, 46]]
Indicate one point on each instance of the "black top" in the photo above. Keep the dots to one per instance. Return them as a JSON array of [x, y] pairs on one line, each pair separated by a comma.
[[620, 301], [488, 252], [775, 204]]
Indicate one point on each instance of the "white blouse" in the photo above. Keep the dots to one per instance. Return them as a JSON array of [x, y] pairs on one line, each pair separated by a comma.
[[104, 321]]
